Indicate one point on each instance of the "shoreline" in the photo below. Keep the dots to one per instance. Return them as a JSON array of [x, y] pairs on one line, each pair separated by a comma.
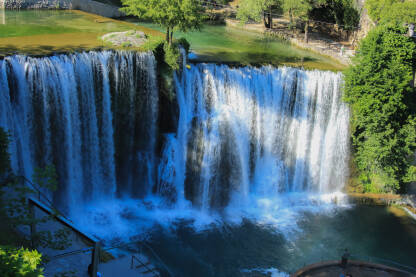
[[407, 202]]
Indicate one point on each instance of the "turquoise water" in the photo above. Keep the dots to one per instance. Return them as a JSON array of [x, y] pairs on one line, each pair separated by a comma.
[[233, 45], [252, 249]]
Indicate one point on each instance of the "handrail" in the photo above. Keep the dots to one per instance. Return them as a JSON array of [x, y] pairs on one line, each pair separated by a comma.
[[157, 257], [148, 268], [384, 261], [41, 194], [147, 246], [74, 252]]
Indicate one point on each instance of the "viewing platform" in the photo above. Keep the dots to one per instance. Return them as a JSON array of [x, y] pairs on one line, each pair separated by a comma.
[[353, 268]]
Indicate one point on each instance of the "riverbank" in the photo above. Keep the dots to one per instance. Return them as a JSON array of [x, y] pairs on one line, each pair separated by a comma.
[[407, 202], [317, 43]]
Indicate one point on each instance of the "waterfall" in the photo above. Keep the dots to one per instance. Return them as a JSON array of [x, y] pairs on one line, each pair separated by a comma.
[[241, 132], [263, 131], [93, 115]]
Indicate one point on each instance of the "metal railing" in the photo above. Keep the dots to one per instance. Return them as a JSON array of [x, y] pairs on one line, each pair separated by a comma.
[[42, 197], [143, 265], [385, 262]]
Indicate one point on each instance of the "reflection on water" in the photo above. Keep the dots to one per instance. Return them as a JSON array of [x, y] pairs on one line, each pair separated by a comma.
[[2, 15]]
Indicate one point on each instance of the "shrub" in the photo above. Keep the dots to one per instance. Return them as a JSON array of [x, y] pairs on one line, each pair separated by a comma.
[[383, 102], [19, 262]]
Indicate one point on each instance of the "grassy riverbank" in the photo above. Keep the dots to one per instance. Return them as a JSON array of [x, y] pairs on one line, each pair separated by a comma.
[[44, 32]]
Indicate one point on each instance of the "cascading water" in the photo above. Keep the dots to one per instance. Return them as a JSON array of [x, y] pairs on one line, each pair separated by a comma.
[[261, 131], [93, 115], [247, 139]]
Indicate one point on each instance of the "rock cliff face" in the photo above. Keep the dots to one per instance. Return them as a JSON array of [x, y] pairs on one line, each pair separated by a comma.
[[84, 5], [366, 23]]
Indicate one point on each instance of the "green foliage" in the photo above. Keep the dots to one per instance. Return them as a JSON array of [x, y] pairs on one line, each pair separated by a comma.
[[4, 154], [19, 262], [14, 209], [183, 15], [166, 53], [341, 12], [378, 87], [15, 212], [297, 8], [172, 56], [399, 11], [255, 9]]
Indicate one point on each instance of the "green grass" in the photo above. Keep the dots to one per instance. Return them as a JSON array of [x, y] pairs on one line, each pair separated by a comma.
[[237, 46]]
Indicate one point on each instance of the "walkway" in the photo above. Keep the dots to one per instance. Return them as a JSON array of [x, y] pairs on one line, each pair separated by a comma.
[[123, 267]]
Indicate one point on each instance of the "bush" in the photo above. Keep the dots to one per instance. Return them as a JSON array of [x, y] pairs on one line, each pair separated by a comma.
[[172, 55], [383, 102], [399, 11], [19, 262]]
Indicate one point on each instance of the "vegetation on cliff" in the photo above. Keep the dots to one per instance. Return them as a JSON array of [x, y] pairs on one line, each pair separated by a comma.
[[379, 89]]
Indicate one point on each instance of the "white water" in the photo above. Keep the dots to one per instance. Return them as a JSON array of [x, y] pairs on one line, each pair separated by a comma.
[[261, 143], [64, 110], [256, 131]]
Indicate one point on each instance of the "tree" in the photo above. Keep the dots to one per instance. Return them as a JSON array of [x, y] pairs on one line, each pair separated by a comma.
[[341, 12], [258, 9], [302, 9], [19, 262], [184, 15], [399, 11], [383, 101]]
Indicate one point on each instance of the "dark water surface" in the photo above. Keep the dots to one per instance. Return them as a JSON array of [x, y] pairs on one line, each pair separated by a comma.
[[379, 232]]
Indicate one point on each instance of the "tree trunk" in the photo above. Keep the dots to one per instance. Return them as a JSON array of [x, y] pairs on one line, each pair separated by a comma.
[[171, 37], [270, 18], [264, 19], [306, 31], [168, 35]]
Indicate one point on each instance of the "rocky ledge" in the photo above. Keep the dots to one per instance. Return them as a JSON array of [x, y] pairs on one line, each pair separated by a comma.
[[125, 39]]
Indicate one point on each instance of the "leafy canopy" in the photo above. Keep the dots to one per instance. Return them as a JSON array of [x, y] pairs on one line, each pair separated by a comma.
[[254, 9], [382, 11], [19, 262], [184, 15], [383, 103]]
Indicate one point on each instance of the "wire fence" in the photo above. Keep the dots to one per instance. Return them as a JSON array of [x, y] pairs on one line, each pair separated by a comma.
[[275, 15]]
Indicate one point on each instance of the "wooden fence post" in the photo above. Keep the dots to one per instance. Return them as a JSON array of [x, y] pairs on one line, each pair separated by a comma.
[[95, 259], [32, 223]]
